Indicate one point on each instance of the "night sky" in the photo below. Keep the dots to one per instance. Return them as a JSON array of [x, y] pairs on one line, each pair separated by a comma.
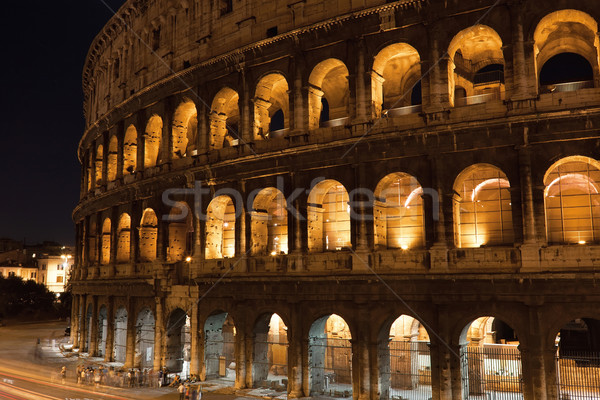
[[43, 51]]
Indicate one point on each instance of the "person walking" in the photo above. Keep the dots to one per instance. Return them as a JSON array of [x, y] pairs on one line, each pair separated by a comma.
[[63, 374], [181, 391]]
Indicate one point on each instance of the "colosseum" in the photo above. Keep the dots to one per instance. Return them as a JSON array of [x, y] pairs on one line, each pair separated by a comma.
[[367, 199]]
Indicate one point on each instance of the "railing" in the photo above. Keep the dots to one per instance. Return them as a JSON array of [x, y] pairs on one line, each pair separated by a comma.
[[488, 77], [410, 371], [567, 87], [578, 375], [477, 99], [278, 133], [334, 122], [397, 112]]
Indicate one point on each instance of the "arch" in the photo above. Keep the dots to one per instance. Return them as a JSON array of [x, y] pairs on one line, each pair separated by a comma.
[[181, 232], [144, 340], [98, 162], [124, 238], [178, 343], [269, 223], [220, 228], [224, 119], [572, 200], [328, 217], [89, 171], [219, 344], [93, 242], [490, 359], [396, 69], [271, 97], [148, 235], [184, 131], [120, 335], [404, 359], [330, 357], [106, 242], [328, 80], [102, 331], [152, 141], [471, 50], [270, 361], [130, 151], [482, 207], [398, 212], [111, 162], [566, 31]]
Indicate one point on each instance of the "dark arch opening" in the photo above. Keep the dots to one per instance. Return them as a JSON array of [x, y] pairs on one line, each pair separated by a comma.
[[504, 333], [277, 121], [489, 74], [324, 110], [564, 68], [416, 97]]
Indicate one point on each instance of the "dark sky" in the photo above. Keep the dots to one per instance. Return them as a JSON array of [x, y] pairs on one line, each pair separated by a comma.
[[44, 44]]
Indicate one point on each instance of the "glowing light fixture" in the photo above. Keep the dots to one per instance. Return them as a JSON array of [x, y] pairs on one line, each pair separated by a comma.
[[188, 259]]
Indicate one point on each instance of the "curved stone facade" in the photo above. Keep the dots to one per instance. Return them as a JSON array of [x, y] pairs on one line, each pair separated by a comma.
[[362, 159]]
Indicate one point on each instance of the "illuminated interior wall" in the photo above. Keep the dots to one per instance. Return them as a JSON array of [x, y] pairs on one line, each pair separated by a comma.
[[395, 69], [124, 238], [328, 79], [269, 223], [98, 165], [398, 213], [111, 163], [106, 242], [180, 235], [148, 235], [572, 201], [130, 151], [224, 119], [220, 228], [185, 129], [406, 328], [152, 141], [271, 96], [92, 242], [483, 208], [328, 217]]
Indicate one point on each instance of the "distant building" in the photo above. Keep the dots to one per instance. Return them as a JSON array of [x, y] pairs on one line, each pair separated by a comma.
[[53, 271]]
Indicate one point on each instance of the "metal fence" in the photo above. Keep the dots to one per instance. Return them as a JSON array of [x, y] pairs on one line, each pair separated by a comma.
[[410, 371], [331, 367], [567, 87], [491, 372], [272, 367], [578, 375]]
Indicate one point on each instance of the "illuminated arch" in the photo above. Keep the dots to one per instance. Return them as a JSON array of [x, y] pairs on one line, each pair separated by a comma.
[[567, 31], [185, 129], [328, 217], [572, 200], [130, 151], [396, 69], [120, 335], [470, 51], [220, 228], [106, 242], [219, 344], [270, 361], [148, 235], [269, 223], [144, 341], [178, 343], [329, 81], [124, 238], [111, 162], [482, 207], [224, 119], [180, 232], [152, 141], [98, 162], [398, 212], [271, 99], [93, 242]]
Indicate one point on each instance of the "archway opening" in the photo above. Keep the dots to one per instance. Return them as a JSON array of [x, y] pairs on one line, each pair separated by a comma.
[[482, 207], [144, 339], [578, 359], [330, 357], [224, 119], [572, 201], [328, 80], [269, 223], [148, 235], [270, 361], [102, 331], [178, 343], [398, 213], [152, 141], [88, 320], [120, 344], [106, 242], [181, 231], [220, 228], [328, 217], [111, 164], [404, 359], [130, 151], [124, 238], [92, 243], [566, 72], [219, 348], [185, 130], [490, 361], [98, 162], [271, 106]]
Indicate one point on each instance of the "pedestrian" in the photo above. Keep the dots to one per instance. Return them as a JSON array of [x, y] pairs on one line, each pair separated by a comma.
[[181, 391], [97, 378], [63, 374]]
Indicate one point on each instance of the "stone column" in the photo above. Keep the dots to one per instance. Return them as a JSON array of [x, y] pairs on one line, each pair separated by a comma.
[[158, 334], [120, 148], [105, 140], [361, 367], [300, 101], [362, 97], [141, 142], [83, 325], [249, 347], [131, 333], [194, 331], [240, 360], [75, 319], [261, 118], [93, 350], [245, 125], [110, 329], [203, 129], [295, 362], [439, 250], [524, 70]]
